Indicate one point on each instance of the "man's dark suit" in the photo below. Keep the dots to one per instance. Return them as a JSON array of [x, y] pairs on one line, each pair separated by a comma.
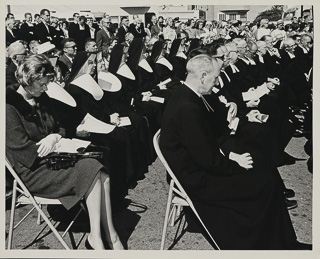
[[65, 65], [11, 80], [219, 188], [103, 40], [11, 38], [80, 36], [27, 32], [121, 34], [42, 34]]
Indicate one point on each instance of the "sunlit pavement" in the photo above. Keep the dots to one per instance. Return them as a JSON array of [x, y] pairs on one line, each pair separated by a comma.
[[140, 223]]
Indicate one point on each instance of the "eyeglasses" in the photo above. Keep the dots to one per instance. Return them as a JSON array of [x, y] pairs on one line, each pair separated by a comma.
[[220, 57], [74, 47]]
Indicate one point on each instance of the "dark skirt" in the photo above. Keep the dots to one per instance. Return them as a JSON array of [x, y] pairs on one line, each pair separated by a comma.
[[68, 185]]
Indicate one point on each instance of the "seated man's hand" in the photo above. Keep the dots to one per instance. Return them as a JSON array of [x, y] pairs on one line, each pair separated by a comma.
[[244, 160], [115, 119], [47, 144], [253, 116], [146, 93], [232, 109], [275, 80], [253, 103], [270, 86]]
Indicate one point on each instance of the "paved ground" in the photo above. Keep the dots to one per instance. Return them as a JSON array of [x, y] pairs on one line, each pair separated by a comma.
[[140, 223]]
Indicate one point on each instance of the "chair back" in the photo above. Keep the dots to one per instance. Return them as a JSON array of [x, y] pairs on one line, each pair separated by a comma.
[[24, 190], [179, 190]]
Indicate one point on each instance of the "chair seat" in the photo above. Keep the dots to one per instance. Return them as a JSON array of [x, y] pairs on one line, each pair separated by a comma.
[[22, 199]]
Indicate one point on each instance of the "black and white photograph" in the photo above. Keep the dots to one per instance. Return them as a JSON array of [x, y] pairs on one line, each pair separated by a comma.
[[178, 127]]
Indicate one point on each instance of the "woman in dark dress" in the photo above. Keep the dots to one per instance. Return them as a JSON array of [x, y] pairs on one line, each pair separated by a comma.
[[32, 133], [145, 85], [122, 100], [178, 59]]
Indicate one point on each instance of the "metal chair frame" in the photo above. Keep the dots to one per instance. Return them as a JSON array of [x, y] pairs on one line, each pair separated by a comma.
[[177, 197], [26, 198]]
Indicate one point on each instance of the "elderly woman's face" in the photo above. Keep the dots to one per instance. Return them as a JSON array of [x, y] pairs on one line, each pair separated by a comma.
[[38, 86]]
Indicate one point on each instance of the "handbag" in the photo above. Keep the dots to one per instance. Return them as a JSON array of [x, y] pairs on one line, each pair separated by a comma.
[[61, 160]]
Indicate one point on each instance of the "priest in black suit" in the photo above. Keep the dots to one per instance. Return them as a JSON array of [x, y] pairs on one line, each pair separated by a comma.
[[242, 206], [43, 31]]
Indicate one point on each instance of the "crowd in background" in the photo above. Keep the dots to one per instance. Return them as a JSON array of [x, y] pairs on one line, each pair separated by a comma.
[[265, 69]]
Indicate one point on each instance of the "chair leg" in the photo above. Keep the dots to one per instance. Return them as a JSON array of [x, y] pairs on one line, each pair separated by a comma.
[[51, 226], [165, 224], [39, 217], [72, 221], [173, 216], [13, 207]]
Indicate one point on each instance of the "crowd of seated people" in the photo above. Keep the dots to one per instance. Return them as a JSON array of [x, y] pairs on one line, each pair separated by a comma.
[[260, 98]]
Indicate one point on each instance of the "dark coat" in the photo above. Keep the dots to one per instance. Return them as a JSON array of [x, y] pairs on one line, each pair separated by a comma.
[[42, 34], [11, 38], [80, 36], [65, 65], [25, 126], [103, 40], [121, 34], [250, 216], [27, 32], [11, 79]]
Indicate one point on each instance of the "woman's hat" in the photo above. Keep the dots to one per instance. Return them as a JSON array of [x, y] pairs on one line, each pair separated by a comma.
[[125, 71], [109, 82], [145, 65], [56, 91], [165, 62], [87, 83]]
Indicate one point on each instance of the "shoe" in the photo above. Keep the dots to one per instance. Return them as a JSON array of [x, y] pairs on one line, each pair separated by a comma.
[[291, 204], [87, 245], [288, 193]]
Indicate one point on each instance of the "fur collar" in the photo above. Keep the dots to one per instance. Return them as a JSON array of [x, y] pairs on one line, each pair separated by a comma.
[[24, 108]]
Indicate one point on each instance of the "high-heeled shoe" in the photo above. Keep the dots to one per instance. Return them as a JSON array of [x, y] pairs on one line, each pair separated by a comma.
[[87, 245]]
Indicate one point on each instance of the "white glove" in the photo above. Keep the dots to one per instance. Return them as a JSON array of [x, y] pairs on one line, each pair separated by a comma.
[[47, 144]]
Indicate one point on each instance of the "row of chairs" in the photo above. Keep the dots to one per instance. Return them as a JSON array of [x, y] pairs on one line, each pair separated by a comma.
[[177, 198]]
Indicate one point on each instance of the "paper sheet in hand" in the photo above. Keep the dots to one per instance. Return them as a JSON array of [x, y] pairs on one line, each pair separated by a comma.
[[91, 124], [256, 94], [71, 145], [124, 121], [157, 99]]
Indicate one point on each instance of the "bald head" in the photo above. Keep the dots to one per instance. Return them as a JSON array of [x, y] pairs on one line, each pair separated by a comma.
[[203, 72], [199, 64], [16, 48]]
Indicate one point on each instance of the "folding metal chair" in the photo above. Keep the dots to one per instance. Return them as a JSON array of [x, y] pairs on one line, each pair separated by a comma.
[[177, 197], [26, 198]]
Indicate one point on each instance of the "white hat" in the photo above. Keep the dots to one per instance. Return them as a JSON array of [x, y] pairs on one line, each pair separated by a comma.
[[55, 91], [87, 83], [109, 82], [182, 55], [53, 61], [165, 62], [145, 65], [125, 71], [44, 47]]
